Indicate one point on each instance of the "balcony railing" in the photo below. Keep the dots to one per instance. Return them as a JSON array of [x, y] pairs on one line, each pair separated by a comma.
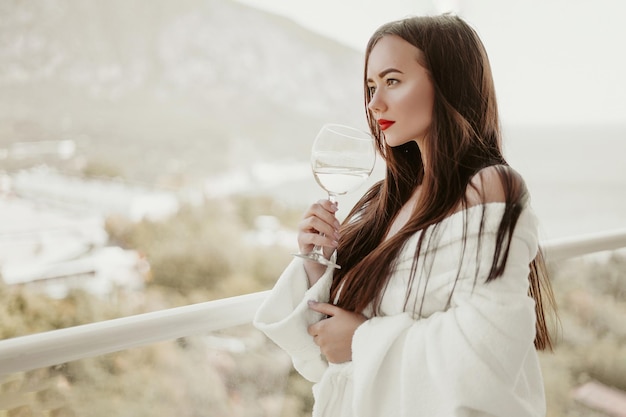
[[59, 346]]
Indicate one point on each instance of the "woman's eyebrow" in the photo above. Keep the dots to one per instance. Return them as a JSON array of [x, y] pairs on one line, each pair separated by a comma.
[[385, 72]]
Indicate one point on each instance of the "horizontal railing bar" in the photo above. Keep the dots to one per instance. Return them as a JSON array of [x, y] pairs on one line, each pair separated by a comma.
[[64, 345], [59, 346], [572, 247]]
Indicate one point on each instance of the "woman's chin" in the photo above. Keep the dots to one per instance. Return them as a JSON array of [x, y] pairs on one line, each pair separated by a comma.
[[395, 142]]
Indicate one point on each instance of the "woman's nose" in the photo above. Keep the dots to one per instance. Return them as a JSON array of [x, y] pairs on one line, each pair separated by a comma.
[[376, 104]]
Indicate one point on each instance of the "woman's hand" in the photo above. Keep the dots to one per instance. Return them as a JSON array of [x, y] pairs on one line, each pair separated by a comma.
[[334, 334], [319, 226]]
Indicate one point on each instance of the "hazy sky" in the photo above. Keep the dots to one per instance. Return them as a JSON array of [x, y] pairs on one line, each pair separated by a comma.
[[554, 61]]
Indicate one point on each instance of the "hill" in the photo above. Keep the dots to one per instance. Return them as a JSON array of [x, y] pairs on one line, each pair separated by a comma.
[[161, 87]]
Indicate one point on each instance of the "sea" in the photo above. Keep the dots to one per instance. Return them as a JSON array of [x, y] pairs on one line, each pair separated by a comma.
[[576, 177]]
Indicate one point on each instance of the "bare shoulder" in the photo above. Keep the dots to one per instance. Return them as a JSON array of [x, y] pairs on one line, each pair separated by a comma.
[[492, 184]]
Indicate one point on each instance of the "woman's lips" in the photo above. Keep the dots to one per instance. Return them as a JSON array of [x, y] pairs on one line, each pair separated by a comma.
[[385, 124]]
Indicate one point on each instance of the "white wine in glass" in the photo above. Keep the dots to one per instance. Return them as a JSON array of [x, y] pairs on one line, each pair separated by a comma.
[[342, 158]]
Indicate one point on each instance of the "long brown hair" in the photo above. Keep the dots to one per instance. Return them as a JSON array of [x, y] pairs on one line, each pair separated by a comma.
[[464, 138]]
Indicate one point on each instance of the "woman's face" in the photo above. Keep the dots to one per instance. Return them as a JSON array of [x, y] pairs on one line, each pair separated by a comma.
[[401, 91]]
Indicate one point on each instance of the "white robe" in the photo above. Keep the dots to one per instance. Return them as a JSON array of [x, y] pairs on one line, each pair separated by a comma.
[[474, 358]]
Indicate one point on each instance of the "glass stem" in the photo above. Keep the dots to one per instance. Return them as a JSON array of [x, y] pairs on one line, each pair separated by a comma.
[[318, 249]]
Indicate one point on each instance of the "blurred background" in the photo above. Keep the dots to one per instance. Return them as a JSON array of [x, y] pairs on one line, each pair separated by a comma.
[[155, 154]]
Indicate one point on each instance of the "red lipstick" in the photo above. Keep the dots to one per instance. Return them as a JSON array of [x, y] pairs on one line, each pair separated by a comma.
[[385, 124]]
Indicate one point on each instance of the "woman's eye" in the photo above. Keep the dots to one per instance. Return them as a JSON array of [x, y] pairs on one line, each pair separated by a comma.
[[372, 90], [392, 81]]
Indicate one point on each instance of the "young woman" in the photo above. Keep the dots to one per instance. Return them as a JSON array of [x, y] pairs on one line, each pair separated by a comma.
[[439, 307]]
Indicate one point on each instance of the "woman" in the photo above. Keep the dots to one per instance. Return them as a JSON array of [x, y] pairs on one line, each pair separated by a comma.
[[438, 309]]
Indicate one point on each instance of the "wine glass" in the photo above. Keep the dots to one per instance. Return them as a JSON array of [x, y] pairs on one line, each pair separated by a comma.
[[342, 158]]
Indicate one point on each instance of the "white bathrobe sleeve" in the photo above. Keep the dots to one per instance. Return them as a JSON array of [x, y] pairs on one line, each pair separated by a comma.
[[285, 317], [470, 360]]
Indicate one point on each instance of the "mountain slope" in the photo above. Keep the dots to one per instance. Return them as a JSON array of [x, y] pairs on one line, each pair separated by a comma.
[[199, 85]]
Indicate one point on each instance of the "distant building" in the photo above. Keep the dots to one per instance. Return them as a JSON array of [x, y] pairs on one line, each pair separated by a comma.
[[5, 183], [105, 197], [100, 272], [604, 398], [63, 149], [56, 251], [257, 178], [269, 232]]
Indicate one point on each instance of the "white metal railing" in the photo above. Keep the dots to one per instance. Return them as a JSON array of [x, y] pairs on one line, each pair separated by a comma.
[[59, 346]]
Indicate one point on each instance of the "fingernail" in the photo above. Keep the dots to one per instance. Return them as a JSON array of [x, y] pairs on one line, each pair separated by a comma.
[[311, 302]]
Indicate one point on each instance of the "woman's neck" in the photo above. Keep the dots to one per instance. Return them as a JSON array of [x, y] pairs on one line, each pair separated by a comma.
[[403, 216]]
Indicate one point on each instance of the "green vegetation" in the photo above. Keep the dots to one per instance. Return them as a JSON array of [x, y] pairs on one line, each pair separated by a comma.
[[591, 295], [199, 254], [202, 250], [202, 254], [100, 170]]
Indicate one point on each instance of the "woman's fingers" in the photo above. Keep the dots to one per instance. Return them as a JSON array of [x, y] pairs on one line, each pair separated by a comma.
[[319, 226], [327, 309], [316, 226], [334, 334], [325, 211]]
